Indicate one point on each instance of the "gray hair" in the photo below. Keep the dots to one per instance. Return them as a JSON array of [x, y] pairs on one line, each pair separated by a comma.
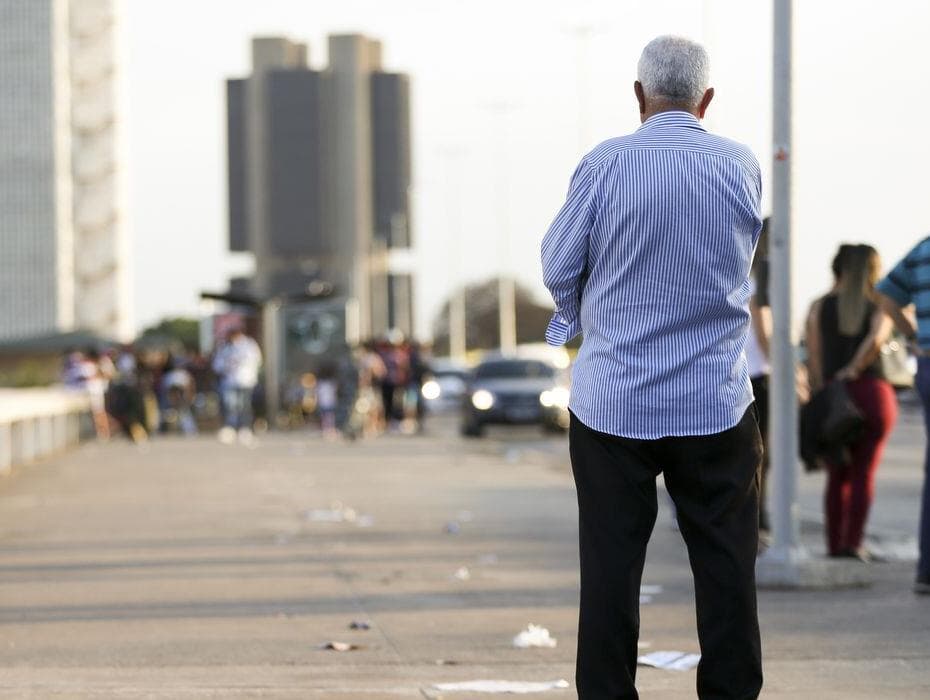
[[675, 69]]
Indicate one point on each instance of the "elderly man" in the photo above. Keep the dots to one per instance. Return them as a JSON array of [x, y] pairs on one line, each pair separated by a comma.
[[907, 286], [649, 258]]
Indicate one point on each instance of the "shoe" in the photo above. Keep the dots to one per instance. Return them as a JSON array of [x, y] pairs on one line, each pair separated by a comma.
[[227, 435], [922, 585], [862, 554]]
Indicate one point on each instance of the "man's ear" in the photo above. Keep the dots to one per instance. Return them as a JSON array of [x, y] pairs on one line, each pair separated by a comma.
[[705, 101], [640, 96]]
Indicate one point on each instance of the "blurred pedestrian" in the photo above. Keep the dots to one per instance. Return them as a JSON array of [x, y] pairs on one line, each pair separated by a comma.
[[178, 391], [125, 397], [649, 258], [237, 363], [845, 332], [419, 369], [327, 399], [371, 373], [90, 372], [905, 294], [757, 355], [394, 382]]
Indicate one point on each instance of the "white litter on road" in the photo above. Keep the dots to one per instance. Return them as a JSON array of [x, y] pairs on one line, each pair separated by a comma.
[[515, 687], [337, 514], [534, 636], [462, 574], [670, 660]]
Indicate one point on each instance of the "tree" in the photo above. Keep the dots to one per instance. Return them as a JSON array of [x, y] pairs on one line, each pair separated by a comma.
[[481, 318], [174, 331]]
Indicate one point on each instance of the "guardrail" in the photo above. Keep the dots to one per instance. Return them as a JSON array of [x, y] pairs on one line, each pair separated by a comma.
[[35, 423]]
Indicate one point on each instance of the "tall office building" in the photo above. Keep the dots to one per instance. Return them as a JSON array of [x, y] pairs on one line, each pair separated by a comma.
[[63, 253], [319, 173]]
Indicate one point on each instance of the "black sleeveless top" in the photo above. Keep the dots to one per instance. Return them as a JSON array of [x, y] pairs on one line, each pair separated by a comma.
[[839, 349]]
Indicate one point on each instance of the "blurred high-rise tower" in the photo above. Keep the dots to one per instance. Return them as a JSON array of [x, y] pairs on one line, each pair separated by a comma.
[[64, 256], [319, 173]]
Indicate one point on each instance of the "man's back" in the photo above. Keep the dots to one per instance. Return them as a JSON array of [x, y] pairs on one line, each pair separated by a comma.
[[672, 221]]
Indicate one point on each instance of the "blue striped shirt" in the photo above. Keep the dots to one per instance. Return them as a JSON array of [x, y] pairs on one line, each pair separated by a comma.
[[909, 283], [649, 259]]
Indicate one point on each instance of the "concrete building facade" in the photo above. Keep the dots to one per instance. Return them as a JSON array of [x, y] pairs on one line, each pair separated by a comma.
[[63, 254], [319, 174]]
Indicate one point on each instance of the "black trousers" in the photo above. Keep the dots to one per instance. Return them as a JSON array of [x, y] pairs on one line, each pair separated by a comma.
[[714, 482]]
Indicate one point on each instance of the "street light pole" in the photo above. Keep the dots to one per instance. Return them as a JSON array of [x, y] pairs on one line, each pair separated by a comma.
[[780, 565], [506, 286], [458, 329]]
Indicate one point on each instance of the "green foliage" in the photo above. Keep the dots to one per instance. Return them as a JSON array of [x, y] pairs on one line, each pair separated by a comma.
[[185, 331], [29, 373], [481, 318]]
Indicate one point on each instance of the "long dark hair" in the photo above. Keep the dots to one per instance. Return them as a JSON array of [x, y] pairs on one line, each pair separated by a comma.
[[859, 269]]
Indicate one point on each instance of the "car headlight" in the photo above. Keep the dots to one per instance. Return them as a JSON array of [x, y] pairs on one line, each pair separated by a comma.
[[482, 399], [431, 390], [557, 397]]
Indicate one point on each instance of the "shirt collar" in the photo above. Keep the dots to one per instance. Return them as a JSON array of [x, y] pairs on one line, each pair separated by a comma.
[[672, 118]]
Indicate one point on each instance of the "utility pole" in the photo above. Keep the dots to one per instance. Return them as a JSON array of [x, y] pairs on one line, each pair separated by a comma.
[[506, 286], [783, 561], [458, 346], [784, 402]]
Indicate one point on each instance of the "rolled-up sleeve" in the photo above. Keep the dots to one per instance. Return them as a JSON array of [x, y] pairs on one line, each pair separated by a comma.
[[565, 255], [899, 283]]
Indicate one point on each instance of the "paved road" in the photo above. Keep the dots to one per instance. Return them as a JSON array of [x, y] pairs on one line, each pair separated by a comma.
[[192, 569]]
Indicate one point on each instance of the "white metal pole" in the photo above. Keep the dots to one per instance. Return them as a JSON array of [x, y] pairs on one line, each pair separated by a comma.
[[458, 341], [271, 336], [506, 286], [457, 325], [783, 409]]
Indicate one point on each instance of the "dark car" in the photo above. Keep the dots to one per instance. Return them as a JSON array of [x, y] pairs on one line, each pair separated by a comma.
[[514, 392]]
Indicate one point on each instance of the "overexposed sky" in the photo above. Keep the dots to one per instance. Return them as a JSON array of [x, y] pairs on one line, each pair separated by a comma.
[[507, 96]]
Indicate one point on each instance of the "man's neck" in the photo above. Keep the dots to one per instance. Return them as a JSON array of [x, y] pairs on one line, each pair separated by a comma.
[[661, 107]]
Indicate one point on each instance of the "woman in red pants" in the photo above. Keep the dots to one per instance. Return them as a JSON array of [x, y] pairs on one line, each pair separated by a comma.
[[845, 332]]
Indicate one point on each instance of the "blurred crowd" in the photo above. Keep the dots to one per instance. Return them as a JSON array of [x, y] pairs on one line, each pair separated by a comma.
[[369, 390]]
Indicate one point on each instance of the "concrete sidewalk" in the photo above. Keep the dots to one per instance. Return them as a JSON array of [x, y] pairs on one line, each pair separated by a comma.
[[192, 569]]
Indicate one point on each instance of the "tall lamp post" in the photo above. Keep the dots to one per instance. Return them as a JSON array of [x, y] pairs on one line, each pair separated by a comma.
[[780, 562], [506, 287], [458, 346]]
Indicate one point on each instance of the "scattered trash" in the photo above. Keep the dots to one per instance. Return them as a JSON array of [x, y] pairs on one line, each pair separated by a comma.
[[462, 574], [650, 590], [360, 625], [446, 662], [336, 514], [340, 646], [487, 559], [453, 528], [516, 687], [365, 520], [534, 636], [670, 660]]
